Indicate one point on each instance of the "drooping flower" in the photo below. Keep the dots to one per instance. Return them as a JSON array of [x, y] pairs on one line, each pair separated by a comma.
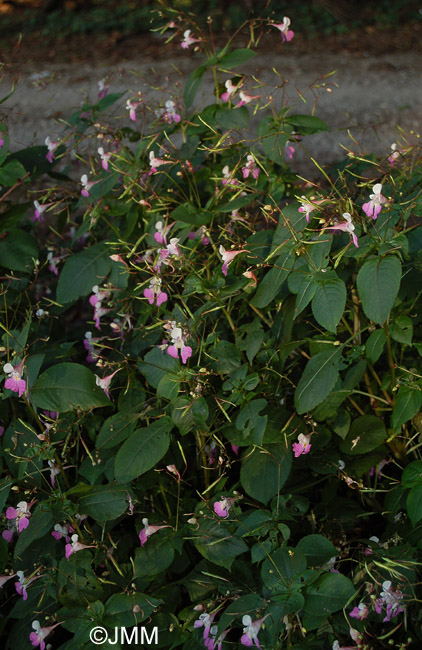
[[251, 276], [286, 33], [86, 185], [131, 106], [52, 262], [54, 470], [155, 162], [231, 89], [246, 98], [154, 294], [391, 599], [5, 578], [309, 205], [39, 210], [346, 226], [23, 583], [102, 88], [222, 507], [201, 232], [213, 642], [96, 301], [172, 250], [105, 382], [74, 547], [380, 466], [360, 612], [105, 157], [60, 531], [303, 446], [40, 633], [289, 150], [18, 519], [228, 257], [395, 154], [177, 342], [250, 168], [188, 40], [170, 115], [14, 381], [228, 178], [375, 203], [160, 235], [205, 620], [251, 631], [91, 348], [51, 146], [148, 530]]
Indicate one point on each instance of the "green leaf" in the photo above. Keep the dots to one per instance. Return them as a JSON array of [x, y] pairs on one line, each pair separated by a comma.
[[217, 544], [408, 403], [192, 85], [153, 558], [414, 504], [264, 471], [116, 429], [104, 502], [67, 387], [317, 380], [307, 124], [235, 58], [108, 101], [168, 387], [329, 302], [191, 214], [232, 118], [126, 610], [378, 284], [402, 330], [250, 423], [328, 594], [18, 251], [272, 282], [412, 475], [11, 172], [318, 549], [280, 570], [375, 345], [83, 271], [366, 433], [40, 524], [236, 204], [156, 365], [142, 450]]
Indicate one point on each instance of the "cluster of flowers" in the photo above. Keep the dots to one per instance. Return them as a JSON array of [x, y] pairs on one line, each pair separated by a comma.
[[249, 637]]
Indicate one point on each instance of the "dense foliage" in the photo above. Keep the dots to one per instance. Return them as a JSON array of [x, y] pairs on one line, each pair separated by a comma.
[[211, 399]]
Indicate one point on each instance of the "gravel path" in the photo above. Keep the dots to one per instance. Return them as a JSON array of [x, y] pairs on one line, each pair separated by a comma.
[[365, 102]]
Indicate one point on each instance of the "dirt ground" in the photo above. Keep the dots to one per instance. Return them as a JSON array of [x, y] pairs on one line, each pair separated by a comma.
[[373, 98]]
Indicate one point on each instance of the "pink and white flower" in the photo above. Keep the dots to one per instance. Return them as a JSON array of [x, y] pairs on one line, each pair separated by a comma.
[[375, 203], [154, 294], [346, 226], [286, 33], [360, 612], [102, 88], [395, 154], [148, 530], [18, 519], [91, 348], [105, 382], [23, 583], [60, 531], [39, 210], [222, 507], [86, 185], [245, 98], [131, 106], [228, 257], [54, 471], [303, 446], [177, 342], [51, 146], [391, 599], [14, 381], [188, 40], [228, 178], [155, 162], [231, 89], [52, 263], [213, 642], [309, 205], [5, 578], [74, 547], [251, 631], [105, 157], [96, 301], [170, 115], [40, 633], [202, 233], [160, 235], [205, 620], [289, 150], [250, 168]]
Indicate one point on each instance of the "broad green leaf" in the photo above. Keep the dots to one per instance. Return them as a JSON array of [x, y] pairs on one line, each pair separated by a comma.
[[235, 58], [67, 387], [236, 204], [366, 433], [82, 271], [264, 471], [328, 303], [375, 345], [104, 502], [249, 604], [11, 172], [414, 504], [216, 543], [318, 549], [109, 100], [279, 572], [229, 118], [412, 475], [154, 557], [128, 609], [156, 365], [408, 403], [328, 594], [402, 330], [270, 285], [40, 524], [306, 287], [250, 423], [168, 387], [192, 85], [191, 214], [142, 450], [116, 429], [378, 284], [318, 379], [34, 160], [18, 251], [307, 124]]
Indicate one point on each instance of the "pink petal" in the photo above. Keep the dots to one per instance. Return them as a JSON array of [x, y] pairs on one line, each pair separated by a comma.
[[23, 523], [186, 353], [7, 535], [162, 297], [172, 351], [148, 293], [143, 536], [11, 513]]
